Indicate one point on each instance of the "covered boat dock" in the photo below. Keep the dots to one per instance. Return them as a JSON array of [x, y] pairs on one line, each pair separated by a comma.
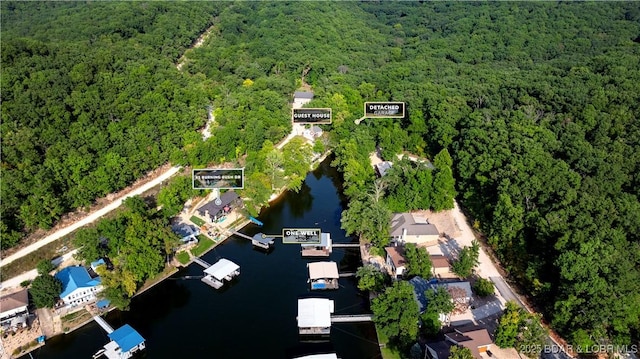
[[222, 270], [314, 316], [323, 275]]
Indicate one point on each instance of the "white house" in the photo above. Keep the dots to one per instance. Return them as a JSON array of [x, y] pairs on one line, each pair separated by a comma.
[[396, 261], [301, 98], [77, 286], [13, 309], [410, 228]]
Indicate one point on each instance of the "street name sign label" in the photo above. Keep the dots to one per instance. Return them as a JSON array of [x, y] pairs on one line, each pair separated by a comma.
[[218, 178]]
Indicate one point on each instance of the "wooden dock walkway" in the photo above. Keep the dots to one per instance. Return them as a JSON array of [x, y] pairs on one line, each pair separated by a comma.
[[201, 262], [345, 245], [101, 322], [347, 274], [242, 235], [352, 318]]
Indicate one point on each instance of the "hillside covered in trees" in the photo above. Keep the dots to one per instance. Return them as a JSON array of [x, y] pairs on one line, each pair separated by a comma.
[[533, 107]]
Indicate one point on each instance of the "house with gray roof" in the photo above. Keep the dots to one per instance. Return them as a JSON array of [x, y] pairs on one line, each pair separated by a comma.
[[411, 228]]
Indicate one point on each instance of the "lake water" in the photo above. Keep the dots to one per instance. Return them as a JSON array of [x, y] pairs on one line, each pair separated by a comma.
[[256, 316]]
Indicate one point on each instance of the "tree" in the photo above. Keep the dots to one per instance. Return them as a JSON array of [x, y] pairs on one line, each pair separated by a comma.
[[44, 290], [395, 312], [443, 190], [459, 352], [439, 300], [370, 278], [483, 287], [418, 261], [369, 219], [467, 260], [520, 329], [45, 267]]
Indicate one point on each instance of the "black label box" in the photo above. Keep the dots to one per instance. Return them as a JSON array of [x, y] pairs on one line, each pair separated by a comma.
[[301, 235], [384, 109], [316, 116], [220, 178]]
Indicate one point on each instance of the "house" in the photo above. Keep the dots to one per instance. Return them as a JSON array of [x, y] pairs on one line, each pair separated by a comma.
[[396, 261], [460, 292], [301, 98], [383, 167], [420, 286], [439, 265], [323, 275], [323, 249], [312, 133], [439, 350], [215, 212], [77, 286], [95, 264], [187, 233], [314, 316], [474, 337], [14, 310], [410, 228]]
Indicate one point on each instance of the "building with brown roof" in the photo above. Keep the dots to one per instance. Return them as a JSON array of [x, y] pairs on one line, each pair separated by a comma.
[[473, 337], [13, 309], [439, 265], [396, 261]]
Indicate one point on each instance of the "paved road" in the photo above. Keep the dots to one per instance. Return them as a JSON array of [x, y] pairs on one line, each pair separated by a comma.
[[89, 218]]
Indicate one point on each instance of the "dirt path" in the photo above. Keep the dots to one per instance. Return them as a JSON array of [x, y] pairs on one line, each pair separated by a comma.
[[91, 217], [201, 39]]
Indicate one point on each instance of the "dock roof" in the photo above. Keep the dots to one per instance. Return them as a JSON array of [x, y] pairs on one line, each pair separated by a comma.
[[126, 337], [221, 269], [314, 312], [325, 241], [319, 356], [258, 237], [319, 270]]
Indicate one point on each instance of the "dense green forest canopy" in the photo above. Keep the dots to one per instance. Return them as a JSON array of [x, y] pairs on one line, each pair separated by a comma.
[[536, 103]]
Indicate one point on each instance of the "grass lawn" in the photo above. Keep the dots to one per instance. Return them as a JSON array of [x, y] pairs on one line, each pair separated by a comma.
[[183, 257], [387, 352], [203, 245], [197, 221]]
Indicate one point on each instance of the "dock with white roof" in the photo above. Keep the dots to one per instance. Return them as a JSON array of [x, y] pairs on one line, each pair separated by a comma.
[[314, 316], [221, 271]]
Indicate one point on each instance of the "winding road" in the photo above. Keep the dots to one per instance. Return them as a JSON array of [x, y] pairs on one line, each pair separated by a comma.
[[91, 217]]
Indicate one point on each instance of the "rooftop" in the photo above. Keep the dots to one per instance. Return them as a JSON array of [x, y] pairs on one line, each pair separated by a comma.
[[319, 270], [303, 94], [383, 167], [126, 337], [325, 241], [73, 278], [14, 300], [221, 269], [397, 255], [439, 261], [213, 208], [470, 336], [319, 356], [413, 224], [314, 312]]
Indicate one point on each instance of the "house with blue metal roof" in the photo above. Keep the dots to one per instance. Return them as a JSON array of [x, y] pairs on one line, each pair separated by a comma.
[[78, 287]]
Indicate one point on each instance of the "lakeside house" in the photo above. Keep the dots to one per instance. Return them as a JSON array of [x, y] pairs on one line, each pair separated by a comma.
[[396, 262], [382, 168], [77, 286], [322, 249], [187, 233], [314, 316], [14, 310], [301, 98], [323, 275], [215, 212], [473, 337], [411, 228]]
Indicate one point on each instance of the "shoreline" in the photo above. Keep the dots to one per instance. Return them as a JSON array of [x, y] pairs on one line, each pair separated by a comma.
[[174, 269]]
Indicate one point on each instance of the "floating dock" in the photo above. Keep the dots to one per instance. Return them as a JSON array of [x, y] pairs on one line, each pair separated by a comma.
[[125, 341], [322, 249], [314, 316], [323, 275], [262, 241], [353, 318], [216, 274]]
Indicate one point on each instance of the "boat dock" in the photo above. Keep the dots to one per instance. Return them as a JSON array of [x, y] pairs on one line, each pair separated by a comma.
[[125, 341], [353, 318], [216, 274]]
